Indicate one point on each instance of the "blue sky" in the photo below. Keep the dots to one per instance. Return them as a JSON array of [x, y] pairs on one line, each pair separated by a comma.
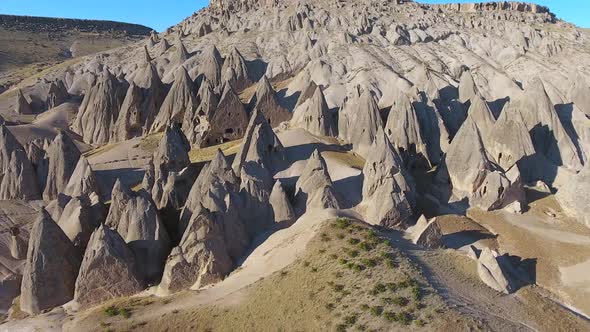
[[160, 14]]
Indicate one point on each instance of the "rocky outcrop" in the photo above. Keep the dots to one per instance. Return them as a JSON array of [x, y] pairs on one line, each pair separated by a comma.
[[63, 155], [509, 140], [142, 102], [79, 218], [100, 109], [573, 196], [201, 258], [82, 181], [427, 233], [265, 101], [18, 246], [108, 269], [211, 64], [229, 121], [313, 115], [235, 71], [57, 95], [196, 123], [136, 219], [260, 145], [403, 130], [51, 267], [480, 113], [281, 206], [467, 87], [18, 179], [179, 100], [22, 105], [314, 188], [359, 120], [387, 187]]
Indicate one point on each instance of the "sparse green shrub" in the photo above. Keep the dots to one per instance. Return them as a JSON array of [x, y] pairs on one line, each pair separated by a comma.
[[403, 284], [386, 242], [416, 293], [340, 236], [358, 268], [376, 311], [364, 307], [321, 251], [365, 246], [353, 241], [350, 320], [369, 262], [314, 269], [391, 264], [353, 253], [126, 313], [341, 328], [342, 261], [333, 256], [361, 327], [379, 288], [330, 306], [404, 317], [372, 235], [400, 301], [338, 287], [342, 223], [111, 311], [391, 286], [390, 316], [420, 323], [306, 263]]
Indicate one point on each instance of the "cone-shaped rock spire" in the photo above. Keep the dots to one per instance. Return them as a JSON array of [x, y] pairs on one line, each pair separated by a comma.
[[179, 100], [359, 120], [314, 116], [314, 188], [63, 157]]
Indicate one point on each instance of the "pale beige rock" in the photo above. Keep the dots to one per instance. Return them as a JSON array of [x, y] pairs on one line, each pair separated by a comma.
[[63, 157]]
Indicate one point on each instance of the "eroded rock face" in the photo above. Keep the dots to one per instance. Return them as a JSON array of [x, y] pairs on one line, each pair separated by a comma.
[[201, 258], [427, 233], [573, 196], [82, 181], [57, 95], [265, 101], [22, 105], [136, 219], [19, 179], [108, 269], [387, 187], [314, 188], [235, 70], [18, 246], [51, 267], [196, 124], [359, 120], [179, 100], [211, 64], [283, 211], [260, 145], [229, 121], [100, 109], [313, 114], [79, 218], [509, 141], [63, 157]]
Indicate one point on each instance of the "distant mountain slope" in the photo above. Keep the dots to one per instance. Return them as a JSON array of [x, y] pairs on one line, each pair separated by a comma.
[[29, 44]]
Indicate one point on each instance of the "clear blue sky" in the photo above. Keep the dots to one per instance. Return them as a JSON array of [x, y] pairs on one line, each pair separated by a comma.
[[160, 14]]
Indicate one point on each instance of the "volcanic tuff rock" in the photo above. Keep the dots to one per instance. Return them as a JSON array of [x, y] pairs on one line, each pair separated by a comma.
[[211, 64], [235, 71], [22, 105], [260, 145], [265, 101], [18, 246], [82, 181], [403, 130], [179, 100], [136, 219], [18, 178], [196, 122], [314, 188], [359, 120], [57, 94], [51, 267], [314, 115], [100, 109], [427, 233], [63, 157], [108, 269], [574, 197], [79, 218], [387, 188], [229, 121], [201, 258], [282, 209]]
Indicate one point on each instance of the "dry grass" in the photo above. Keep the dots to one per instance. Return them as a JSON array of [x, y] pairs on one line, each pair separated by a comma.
[[349, 279], [206, 154], [348, 158]]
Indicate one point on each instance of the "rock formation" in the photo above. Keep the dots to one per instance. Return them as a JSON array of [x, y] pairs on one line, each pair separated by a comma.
[[283, 211], [509, 140], [359, 121], [427, 233], [201, 258], [211, 64], [108, 269], [313, 114], [573, 196], [387, 187], [403, 130], [314, 188], [18, 180], [51, 267], [57, 95], [22, 105], [18, 247], [235, 71], [82, 181], [179, 100], [63, 157], [265, 101], [79, 218], [196, 123], [100, 109], [229, 121], [260, 145], [136, 219]]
